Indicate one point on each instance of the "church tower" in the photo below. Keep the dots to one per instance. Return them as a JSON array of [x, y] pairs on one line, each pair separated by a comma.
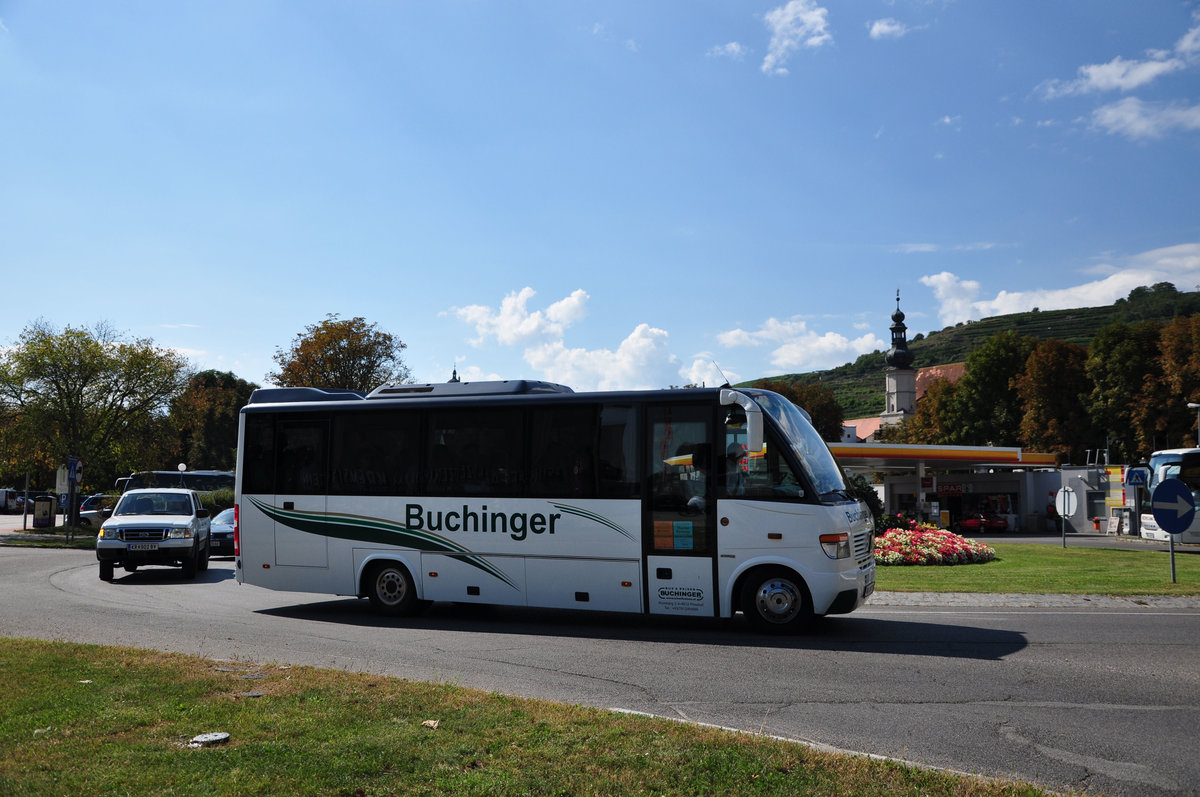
[[900, 375]]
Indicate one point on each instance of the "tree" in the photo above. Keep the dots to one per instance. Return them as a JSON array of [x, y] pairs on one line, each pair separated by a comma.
[[206, 417], [349, 354], [1172, 422], [86, 393], [1124, 368], [815, 399], [986, 401], [1054, 391], [932, 420]]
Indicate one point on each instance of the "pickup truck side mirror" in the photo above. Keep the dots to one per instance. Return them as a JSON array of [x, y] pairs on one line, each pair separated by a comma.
[[202, 512]]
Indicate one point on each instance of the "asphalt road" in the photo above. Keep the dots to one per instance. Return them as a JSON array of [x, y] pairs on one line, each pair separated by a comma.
[[1091, 695]]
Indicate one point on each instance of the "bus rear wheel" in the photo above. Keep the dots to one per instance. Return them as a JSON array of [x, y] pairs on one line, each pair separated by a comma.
[[390, 588], [776, 601]]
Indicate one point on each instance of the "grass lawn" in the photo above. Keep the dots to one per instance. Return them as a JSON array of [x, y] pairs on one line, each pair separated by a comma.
[[1038, 568], [56, 537], [90, 720]]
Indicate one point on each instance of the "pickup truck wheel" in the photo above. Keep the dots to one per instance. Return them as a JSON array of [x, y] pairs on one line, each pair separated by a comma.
[[203, 564], [106, 571], [191, 563]]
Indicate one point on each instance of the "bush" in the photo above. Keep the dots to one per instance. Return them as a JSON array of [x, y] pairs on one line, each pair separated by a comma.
[[926, 544], [217, 500]]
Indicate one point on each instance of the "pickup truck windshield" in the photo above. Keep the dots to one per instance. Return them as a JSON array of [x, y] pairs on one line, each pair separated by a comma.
[[154, 504], [809, 448]]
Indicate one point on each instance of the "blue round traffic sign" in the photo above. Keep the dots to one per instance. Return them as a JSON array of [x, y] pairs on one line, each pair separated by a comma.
[[1173, 506]]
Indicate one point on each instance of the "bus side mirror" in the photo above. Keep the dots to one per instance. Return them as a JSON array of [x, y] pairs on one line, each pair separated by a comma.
[[754, 420]]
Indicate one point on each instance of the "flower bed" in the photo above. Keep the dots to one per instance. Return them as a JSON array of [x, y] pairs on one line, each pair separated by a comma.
[[926, 544]]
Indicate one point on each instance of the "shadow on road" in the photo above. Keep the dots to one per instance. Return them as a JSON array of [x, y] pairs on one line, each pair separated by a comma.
[[842, 634], [153, 574]]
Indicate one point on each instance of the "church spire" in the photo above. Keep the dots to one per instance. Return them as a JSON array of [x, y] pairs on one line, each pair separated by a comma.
[[899, 356]]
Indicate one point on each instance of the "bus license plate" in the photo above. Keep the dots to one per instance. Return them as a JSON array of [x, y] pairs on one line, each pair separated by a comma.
[[143, 546], [868, 589]]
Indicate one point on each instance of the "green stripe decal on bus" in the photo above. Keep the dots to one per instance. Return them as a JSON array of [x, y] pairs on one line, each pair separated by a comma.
[[379, 531], [589, 515]]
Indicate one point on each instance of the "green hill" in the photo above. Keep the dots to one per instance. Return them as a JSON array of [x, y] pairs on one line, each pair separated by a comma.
[[859, 386]]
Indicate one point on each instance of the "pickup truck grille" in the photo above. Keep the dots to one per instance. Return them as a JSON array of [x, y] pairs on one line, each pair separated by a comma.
[[143, 535]]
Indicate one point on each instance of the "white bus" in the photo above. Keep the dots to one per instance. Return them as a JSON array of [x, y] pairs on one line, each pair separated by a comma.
[[695, 502], [1172, 463]]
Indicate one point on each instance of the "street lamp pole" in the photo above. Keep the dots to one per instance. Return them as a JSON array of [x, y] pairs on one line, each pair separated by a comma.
[[1196, 407]]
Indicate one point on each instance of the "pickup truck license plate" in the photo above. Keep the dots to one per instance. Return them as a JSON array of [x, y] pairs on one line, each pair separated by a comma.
[[143, 546], [868, 589]]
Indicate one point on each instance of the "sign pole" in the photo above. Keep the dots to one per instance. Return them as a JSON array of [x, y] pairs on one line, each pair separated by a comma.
[[1174, 508], [1171, 537]]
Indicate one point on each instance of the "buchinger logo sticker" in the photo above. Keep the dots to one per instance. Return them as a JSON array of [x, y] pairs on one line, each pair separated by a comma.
[[860, 515], [681, 600], [680, 594]]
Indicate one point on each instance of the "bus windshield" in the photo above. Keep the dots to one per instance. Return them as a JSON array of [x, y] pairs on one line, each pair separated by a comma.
[[810, 450], [202, 481], [1184, 465]]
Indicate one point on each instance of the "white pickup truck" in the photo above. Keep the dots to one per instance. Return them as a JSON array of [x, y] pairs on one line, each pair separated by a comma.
[[158, 526]]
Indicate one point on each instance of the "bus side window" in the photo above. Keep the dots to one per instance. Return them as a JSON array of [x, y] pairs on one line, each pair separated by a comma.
[[617, 466], [302, 457], [258, 459], [375, 453], [768, 475], [564, 452], [476, 452]]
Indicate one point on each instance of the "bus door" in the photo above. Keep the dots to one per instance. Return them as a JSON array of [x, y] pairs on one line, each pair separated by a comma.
[[678, 526], [300, 488]]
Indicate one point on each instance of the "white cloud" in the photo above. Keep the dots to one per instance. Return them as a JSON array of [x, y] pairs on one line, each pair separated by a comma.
[[642, 361], [926, 248], [909, 249], [799, 23], [706, 370], [799, 348], [1188, 46], [1121, 74], [956, 296], [1117, 75], [1179, 265], [1136, 119], [732, 50], [887, 29], [512, 323], [473, 373]]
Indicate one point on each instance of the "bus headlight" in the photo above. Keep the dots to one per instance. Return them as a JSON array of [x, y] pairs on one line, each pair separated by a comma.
[[836, 546]]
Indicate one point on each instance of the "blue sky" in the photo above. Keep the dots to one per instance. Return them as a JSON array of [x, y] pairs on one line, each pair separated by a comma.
[[604, 194]]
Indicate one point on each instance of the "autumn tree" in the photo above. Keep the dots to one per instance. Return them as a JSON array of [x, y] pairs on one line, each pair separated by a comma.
[[1125, 371], [1054, 389], [1179, 361], [206, 417], [815, 399], [87, 393], [348, 354]]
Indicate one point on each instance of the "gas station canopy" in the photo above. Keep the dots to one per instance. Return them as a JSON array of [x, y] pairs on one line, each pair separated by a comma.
[[899, 457]]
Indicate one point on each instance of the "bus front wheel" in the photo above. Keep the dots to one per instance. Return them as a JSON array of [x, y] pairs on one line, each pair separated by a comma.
[[390, 588], [776, 601]]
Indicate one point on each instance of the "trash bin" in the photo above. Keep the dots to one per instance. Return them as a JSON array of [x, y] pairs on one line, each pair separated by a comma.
[[43, 511]]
